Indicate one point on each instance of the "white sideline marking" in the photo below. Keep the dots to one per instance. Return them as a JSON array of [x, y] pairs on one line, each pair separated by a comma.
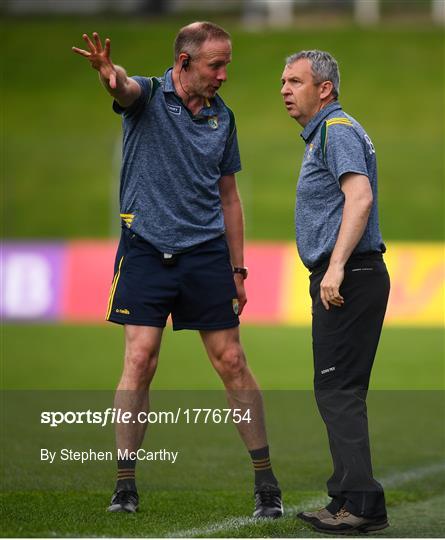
[[230, 523], [239, 522], [390, 481], [394, 480]]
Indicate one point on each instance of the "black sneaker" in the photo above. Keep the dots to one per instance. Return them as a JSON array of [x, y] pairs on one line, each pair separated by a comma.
[[268, 501], [124, 501]]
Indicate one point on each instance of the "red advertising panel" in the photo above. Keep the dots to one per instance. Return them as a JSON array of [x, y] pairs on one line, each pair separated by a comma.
[[264, 283], [88, 277]]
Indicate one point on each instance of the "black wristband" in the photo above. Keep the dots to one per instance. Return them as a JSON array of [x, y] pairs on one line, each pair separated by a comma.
[[243, 270]]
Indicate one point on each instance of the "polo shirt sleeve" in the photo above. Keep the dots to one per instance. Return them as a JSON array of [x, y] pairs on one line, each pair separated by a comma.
[[136, 107], [344, 151], [231, 161]]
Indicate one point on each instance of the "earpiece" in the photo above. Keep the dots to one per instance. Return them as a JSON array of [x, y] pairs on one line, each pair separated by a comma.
[[186, 63]]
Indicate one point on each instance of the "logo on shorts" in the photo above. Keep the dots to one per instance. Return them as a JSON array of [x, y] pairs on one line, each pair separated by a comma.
[[213, 122], [174, 109], [123, 311], [235, 306]]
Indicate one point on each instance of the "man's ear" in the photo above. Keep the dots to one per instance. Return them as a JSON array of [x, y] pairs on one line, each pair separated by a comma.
[[326, 88], [183, 58]]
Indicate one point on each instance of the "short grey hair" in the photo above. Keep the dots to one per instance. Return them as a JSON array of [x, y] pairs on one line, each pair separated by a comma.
[[324, 67]]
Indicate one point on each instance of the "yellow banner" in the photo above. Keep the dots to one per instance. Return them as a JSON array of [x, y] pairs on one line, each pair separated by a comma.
[[417, 272]]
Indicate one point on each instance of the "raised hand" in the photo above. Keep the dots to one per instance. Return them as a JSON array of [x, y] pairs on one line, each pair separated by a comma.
[[99, 58]]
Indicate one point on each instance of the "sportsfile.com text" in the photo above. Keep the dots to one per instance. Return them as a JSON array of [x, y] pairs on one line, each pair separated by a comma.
[[118, 416]]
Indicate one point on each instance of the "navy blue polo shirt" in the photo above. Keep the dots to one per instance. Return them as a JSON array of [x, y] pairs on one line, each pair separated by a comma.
[[336, 144], [172, 163]]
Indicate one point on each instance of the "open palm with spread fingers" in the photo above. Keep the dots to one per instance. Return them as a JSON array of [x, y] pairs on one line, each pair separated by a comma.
[[99, 57]]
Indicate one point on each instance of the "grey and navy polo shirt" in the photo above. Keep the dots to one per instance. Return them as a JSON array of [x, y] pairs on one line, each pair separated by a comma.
[[336, 144], [172, 162]]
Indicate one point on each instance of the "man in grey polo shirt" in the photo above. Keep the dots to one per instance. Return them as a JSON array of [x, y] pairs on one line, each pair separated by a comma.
[[181, 249], [339, 241]]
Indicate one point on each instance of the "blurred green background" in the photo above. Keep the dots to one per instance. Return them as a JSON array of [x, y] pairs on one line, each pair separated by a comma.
[[62, 140]]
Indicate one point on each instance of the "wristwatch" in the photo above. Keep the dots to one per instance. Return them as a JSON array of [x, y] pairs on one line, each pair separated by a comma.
[[243, 270]]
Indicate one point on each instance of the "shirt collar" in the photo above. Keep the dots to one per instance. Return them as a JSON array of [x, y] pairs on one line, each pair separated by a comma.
[[209, 108], [168, 81], [316, 120]]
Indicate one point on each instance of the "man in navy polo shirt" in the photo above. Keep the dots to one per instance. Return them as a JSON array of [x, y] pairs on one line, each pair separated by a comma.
[[181, 249], [339, 241]]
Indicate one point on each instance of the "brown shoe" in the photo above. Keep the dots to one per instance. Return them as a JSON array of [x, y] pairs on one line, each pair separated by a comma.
[[344, 522], [318, 515]]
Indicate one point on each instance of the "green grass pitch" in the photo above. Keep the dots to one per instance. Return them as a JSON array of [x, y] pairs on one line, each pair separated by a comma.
[[207, 493]]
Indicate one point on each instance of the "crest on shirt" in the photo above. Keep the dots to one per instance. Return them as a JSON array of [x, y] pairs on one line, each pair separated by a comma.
[[309, 149], [174, 109], [213, 122]]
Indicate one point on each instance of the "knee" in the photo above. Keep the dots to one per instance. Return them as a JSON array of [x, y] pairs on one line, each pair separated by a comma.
[[231, 363], [140, 364]]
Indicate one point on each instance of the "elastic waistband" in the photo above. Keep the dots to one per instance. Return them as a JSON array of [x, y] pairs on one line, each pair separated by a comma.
[[366, 255], [132, 235]]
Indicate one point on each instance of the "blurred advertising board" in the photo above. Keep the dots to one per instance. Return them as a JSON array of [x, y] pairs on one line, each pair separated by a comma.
[[70, 282]]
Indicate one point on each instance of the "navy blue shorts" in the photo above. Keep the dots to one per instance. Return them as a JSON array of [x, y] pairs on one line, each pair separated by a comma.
[[198, 290]]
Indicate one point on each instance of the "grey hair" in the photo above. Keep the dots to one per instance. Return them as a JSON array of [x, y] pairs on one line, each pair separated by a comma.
[[324, 67]]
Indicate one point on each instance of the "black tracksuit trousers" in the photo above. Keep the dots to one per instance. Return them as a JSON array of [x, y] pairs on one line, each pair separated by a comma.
[[345, 341]]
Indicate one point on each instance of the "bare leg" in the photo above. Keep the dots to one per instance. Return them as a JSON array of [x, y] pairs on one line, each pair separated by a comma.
[[228, 359], [227, 356], [142, 344]]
